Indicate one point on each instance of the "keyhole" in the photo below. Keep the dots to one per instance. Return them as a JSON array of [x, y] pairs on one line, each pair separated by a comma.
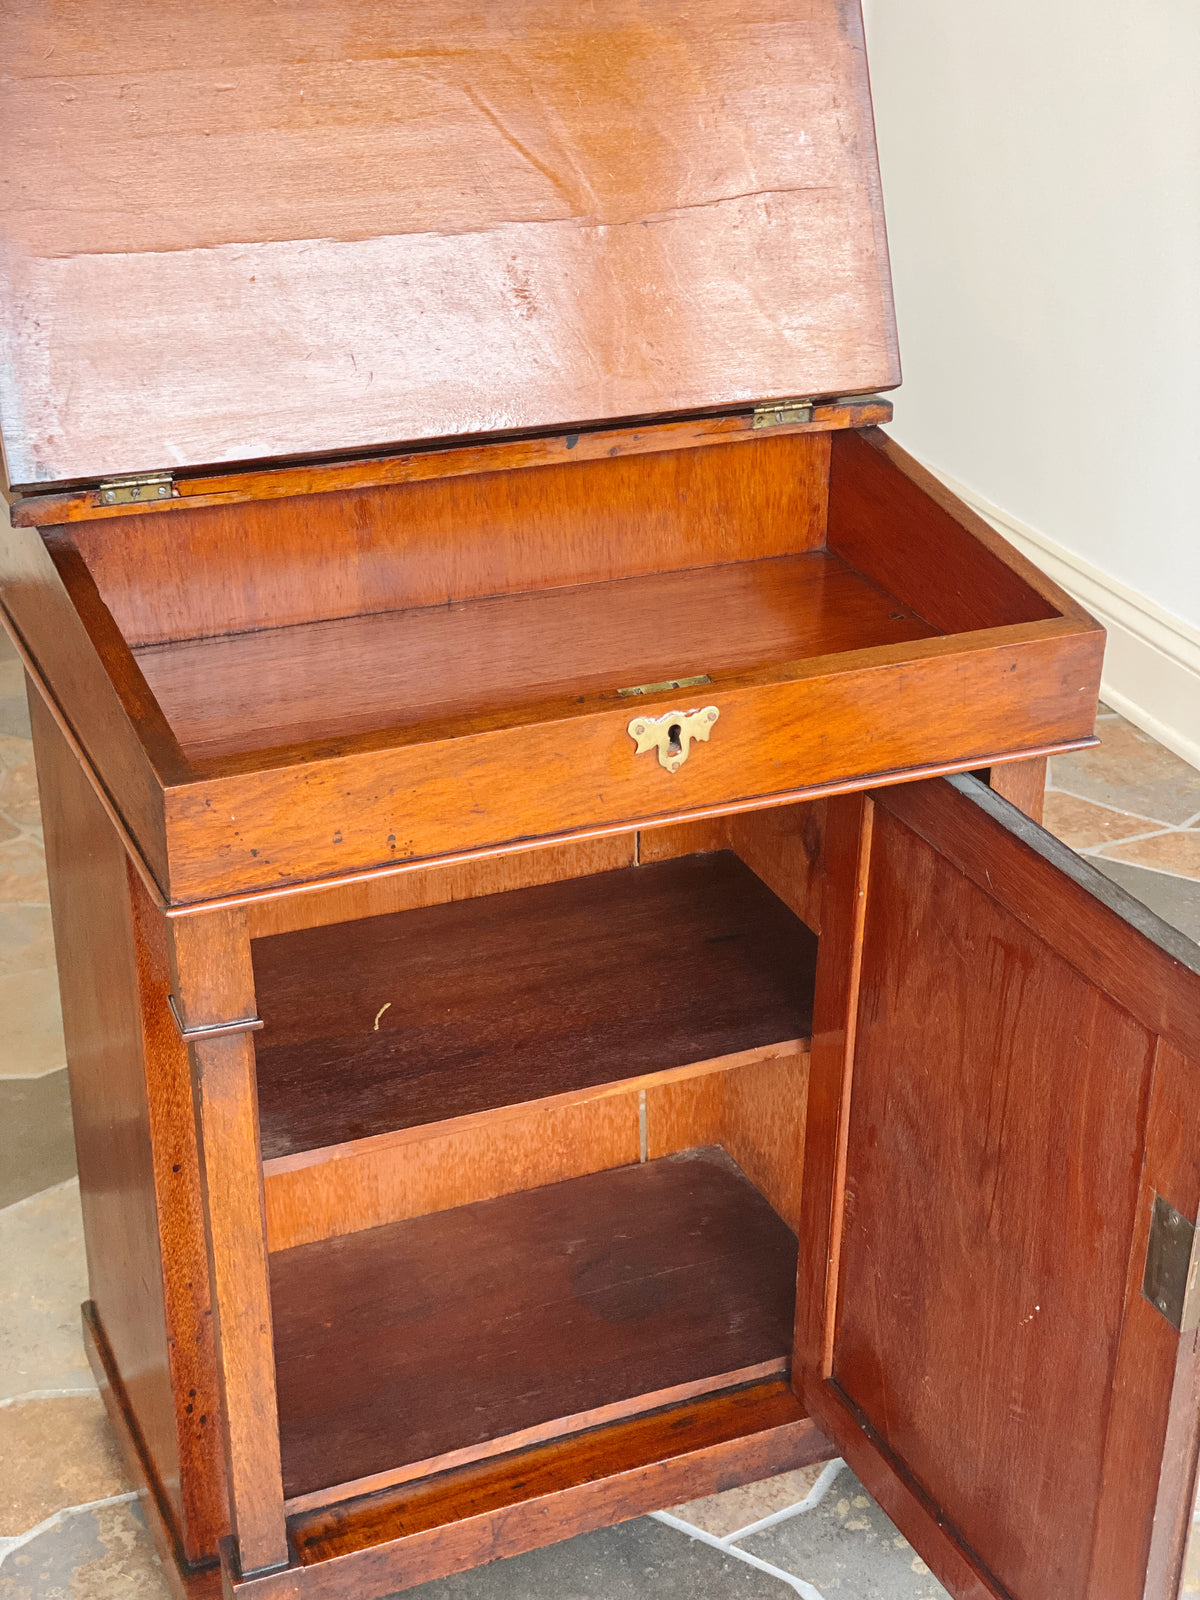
[[674, 748]]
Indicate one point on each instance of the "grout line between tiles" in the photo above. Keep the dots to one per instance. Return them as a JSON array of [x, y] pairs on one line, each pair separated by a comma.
[[803, 1589], [46, 1394], [1134, 838], [813, 1498], [1117, 811], [10, 1543]]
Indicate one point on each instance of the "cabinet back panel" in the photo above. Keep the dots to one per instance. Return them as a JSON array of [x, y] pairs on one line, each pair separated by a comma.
[[269, 563], [752, 1105]]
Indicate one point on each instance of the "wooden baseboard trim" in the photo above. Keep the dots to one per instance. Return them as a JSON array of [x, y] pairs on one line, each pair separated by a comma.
[[462, 1519]]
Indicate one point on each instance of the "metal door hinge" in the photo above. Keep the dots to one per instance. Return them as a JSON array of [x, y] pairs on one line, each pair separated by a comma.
[[780, 411], [125, 491], [1172, 1278]]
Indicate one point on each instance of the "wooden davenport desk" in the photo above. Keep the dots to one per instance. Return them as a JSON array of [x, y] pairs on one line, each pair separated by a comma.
[[564, 1012]]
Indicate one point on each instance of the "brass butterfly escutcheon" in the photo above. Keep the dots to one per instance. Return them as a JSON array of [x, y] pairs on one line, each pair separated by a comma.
[[672, 734]]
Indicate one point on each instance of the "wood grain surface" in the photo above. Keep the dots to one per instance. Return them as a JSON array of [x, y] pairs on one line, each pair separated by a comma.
[[751, 1104], [449, 1332], [508, 778], [383, 225], [397, 1021], [1015, 1086], [309, 558], [114, 1122], [184, 1580], [477, 1513], [213, 983], [326, 681], [192, 490], [441, 882], [755, 1111]]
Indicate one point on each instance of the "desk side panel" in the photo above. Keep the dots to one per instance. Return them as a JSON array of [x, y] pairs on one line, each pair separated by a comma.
[[131, 1106]]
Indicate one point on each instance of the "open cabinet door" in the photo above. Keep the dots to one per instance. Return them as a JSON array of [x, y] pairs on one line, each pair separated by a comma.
[[1004, 1126]]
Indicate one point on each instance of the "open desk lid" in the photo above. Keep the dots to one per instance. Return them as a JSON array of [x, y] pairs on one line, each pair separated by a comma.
[[238, 230]]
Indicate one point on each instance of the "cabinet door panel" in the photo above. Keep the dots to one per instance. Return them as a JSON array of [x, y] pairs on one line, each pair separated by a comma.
[[1013, 1088]]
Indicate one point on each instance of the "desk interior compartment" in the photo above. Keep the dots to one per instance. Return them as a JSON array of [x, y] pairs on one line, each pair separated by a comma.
[[344, 679], [532, 1158]]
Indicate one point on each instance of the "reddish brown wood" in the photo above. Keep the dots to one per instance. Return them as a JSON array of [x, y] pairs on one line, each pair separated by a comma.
[[137, 700], [318, 1194], [324, 1194], [374, 228], [1023, 783], [440, 882], [98, 980], [1150, 1455], [535, 1497], [567, 766], [461, 1330], [784, 848], [249, 692], [213, 983], [890, 517], [682, 839], [396, 1021], [996, 1206], [37, 611], [754, 1110], [564, 766], [845, 854], [899, 1496], [497, 455], [272, 563], [1116, 943], [185, 1580], [179, 1204]]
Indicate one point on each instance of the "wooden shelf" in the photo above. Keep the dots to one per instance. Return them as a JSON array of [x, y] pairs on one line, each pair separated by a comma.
[[397, 1021], [398, 669], [413, 1347]]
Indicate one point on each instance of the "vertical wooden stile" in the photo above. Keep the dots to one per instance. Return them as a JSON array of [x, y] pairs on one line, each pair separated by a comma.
[[843, 905], [214, 984], [1024, 783]]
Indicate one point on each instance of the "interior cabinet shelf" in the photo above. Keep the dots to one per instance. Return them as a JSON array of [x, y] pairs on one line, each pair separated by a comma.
[[397, 1021], [443, 1339]]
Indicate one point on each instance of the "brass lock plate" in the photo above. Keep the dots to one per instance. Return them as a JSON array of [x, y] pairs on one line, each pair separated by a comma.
[[672, 734]]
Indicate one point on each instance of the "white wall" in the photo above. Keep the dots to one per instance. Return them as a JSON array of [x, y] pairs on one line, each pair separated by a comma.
[[1041, 171]]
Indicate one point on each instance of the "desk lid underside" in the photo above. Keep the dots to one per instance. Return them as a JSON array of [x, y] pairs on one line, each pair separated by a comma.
[[235, 230]]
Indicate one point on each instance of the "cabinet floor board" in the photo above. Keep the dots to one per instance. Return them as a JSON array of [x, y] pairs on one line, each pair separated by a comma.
[[475, 1330], [393, 669]]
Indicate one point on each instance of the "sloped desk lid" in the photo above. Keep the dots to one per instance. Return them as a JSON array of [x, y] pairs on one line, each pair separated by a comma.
[[236, 230]]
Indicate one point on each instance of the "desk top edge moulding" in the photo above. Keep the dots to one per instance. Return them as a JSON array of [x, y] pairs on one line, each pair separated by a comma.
[[517, 743]]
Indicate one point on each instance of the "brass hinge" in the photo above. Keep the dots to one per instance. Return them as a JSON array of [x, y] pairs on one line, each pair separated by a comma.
[[125, 491], [1172, 1277], [780, 411]]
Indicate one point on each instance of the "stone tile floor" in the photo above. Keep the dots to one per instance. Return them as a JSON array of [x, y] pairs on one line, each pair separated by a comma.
[[70, 1528]]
